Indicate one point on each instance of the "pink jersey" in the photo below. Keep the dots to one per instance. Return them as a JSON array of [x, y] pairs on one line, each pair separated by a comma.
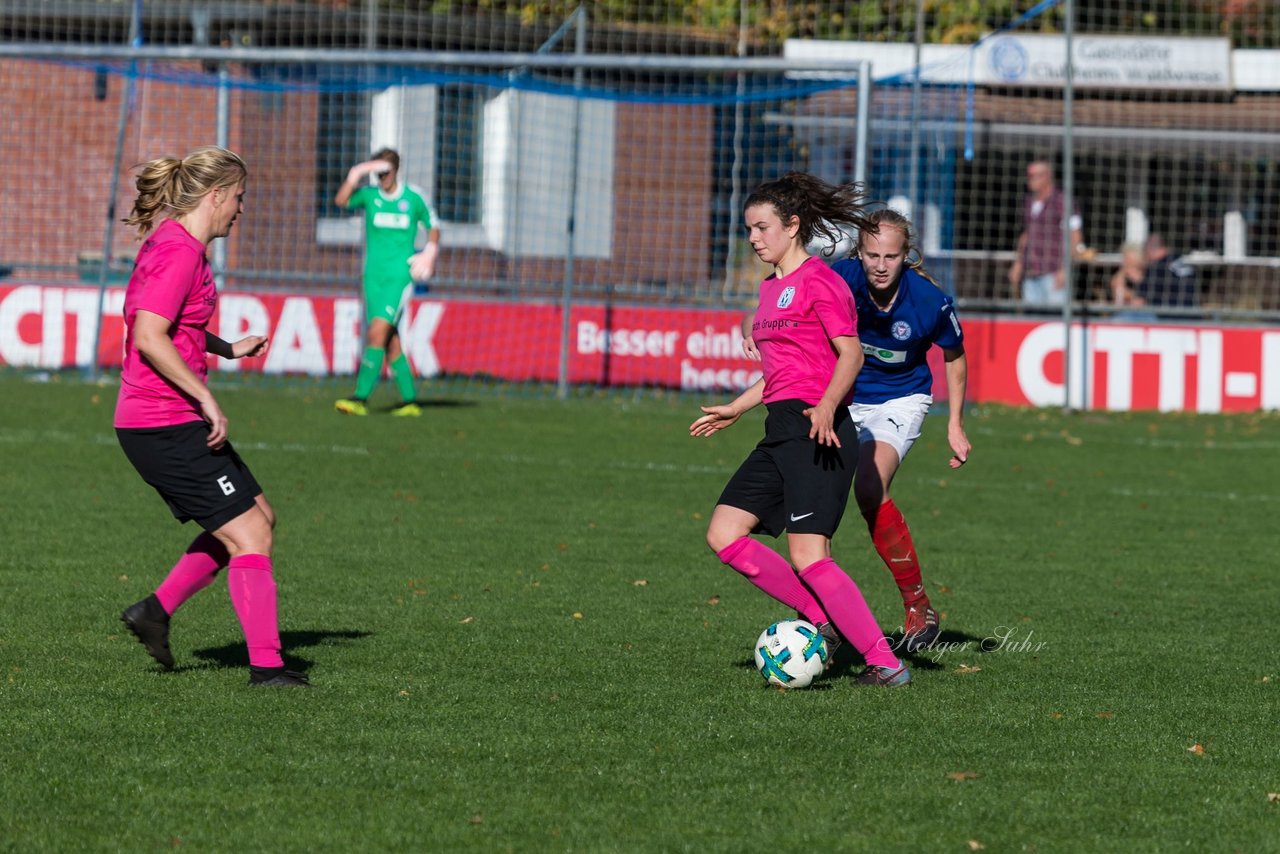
[[171, 278], [797, 317]]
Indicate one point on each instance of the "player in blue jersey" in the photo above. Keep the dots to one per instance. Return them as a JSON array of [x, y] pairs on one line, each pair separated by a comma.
[[901, 314]]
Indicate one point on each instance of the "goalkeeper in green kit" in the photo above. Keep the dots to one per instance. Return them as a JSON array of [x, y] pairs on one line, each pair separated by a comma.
[[393, 214]]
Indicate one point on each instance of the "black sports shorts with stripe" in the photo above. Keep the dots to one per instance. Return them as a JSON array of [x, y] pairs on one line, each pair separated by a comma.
[[791, 482]]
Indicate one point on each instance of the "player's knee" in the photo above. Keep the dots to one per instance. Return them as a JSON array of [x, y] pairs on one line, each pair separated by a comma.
[[718, 539], [250, 533]]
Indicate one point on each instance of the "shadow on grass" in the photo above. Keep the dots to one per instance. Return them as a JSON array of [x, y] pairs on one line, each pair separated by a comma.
[[436, 403], [817, 685], [949, 642], [932, 657], [237, 654]]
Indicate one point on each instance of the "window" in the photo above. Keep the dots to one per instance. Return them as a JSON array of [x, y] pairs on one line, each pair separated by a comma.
[[459, 122], [342, 140]]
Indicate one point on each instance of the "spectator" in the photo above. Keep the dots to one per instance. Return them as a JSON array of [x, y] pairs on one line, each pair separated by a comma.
[[1169, 281], [1127, 278], [1037, 263]]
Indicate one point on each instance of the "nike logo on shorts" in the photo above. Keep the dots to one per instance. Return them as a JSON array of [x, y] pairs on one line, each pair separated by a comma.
[[795, 518]]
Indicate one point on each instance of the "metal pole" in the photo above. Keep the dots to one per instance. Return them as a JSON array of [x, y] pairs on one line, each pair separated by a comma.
[[864, 121], [1068, 195], [914, 191], [566, 292], [222, 134], [735, 170], [108, 236]]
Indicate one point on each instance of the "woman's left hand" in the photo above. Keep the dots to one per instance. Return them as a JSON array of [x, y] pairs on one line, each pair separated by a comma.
[[823, 419], [959, 445], [251, 345]]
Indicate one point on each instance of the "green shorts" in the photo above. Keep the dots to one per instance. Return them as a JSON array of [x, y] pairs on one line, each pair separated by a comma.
[[387, 300]]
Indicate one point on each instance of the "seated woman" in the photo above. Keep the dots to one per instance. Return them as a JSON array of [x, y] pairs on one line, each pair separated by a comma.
[[1128, 276]]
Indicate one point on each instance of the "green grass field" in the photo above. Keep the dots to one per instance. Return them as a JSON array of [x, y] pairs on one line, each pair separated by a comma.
[[520, 642]]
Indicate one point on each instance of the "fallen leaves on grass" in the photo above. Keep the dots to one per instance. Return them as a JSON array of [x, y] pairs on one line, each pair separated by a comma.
[[964, 668], [962, 775], [1197, 749], [714, 600], [641, 582], [975, 845], [1106, 714], [577, 615], [1273, 797], [466, 620], [476, 819]]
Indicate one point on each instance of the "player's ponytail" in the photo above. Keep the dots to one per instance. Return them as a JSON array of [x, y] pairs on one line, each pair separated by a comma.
[[820, 207], [168, 187]]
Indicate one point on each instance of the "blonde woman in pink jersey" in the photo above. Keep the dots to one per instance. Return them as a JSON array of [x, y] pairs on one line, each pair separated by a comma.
[[798, 477], [170, 426]]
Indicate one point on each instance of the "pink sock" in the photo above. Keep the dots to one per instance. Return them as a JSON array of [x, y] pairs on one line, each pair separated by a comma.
[[767, 570], [253, 593], [849, 611], [193, 572]]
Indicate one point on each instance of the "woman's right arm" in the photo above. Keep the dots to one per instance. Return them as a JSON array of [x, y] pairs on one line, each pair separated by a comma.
[[719, 417], [357, 174], [151, 340]]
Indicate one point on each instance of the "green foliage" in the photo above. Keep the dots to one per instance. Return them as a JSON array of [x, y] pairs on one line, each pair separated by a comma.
[[1250, 23], [520, 642]]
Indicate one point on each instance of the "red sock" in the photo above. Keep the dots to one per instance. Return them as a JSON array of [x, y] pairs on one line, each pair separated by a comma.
[[892, 539], [253, 593], [193, 572], [769, 571]]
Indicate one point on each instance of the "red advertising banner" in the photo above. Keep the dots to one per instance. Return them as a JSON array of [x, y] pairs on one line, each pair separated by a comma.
[[1114, 366]]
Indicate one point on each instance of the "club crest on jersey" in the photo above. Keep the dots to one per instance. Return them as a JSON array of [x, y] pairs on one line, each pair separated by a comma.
[[403, 205], [787, 295], [901, 330]]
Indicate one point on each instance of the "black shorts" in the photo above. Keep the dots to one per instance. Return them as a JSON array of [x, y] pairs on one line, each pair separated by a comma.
[[792, 483], [197, 482]]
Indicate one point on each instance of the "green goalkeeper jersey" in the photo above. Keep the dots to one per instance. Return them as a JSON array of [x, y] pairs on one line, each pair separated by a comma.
[[391, 231]]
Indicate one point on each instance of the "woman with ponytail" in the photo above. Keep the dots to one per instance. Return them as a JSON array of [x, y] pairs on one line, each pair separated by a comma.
[[798, 477], [168, 422], [902, 313]]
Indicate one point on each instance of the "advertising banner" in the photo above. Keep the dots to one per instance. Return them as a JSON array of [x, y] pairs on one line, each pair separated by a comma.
[[1113, 366]]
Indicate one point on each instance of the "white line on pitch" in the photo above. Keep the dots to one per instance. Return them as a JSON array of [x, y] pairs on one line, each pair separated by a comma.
[[35, 437]]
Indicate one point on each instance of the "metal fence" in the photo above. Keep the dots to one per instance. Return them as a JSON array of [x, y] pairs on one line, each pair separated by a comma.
[[581, 161]]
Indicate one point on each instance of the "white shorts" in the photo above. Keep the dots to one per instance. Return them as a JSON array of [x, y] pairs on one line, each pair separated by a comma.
[[895, 422]]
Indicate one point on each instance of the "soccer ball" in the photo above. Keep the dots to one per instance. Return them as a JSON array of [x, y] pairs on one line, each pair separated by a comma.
[[791, 654]]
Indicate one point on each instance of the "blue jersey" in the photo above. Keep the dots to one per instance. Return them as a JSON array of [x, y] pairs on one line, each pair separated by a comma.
[[896, 342]]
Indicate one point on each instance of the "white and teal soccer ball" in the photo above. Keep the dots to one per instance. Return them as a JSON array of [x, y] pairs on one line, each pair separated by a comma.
[[791, 654]]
